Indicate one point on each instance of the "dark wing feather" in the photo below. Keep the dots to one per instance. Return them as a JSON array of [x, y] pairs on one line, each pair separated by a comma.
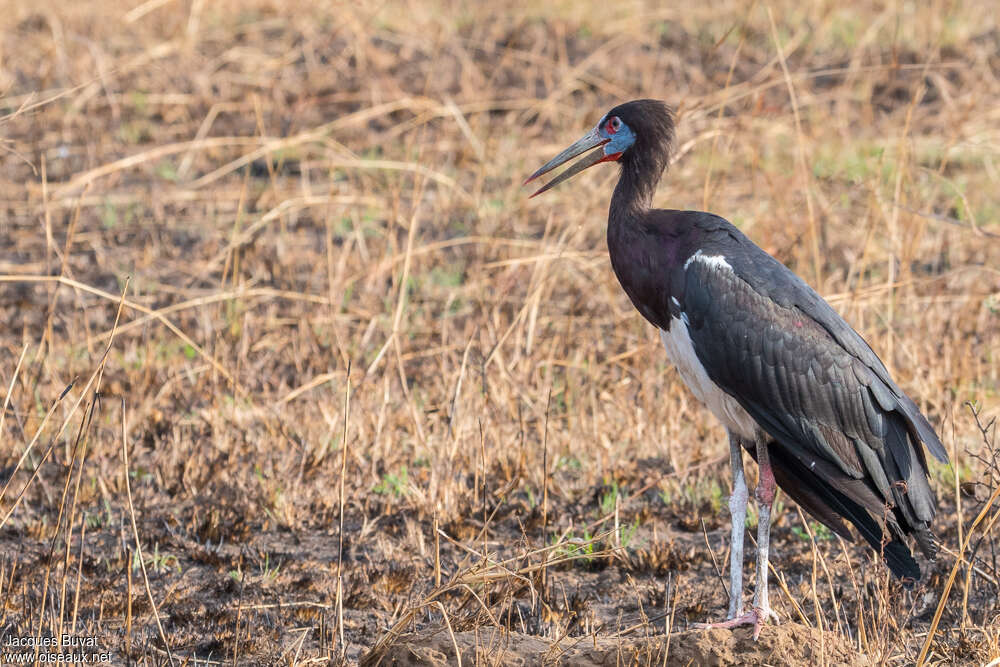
[[811, 382], [775, 282], [820, 499]]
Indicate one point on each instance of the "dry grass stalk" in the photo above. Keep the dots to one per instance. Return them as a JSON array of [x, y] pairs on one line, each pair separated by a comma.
[[297, 192]]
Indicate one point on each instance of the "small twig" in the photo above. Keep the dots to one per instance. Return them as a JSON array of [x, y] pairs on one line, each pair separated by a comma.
[[129, 559], [79, 572], [10, 392], [545, 487], [239, 614], [954, 572], [814, 232], [135, 532], [27, 449], [340, 542], [715, 563], [454, 642]]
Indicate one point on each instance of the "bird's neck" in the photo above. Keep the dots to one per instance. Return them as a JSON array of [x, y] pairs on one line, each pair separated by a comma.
[[633, 195]]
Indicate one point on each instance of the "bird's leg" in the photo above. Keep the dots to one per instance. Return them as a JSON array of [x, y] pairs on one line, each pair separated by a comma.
[[738, 514], [765, 496], [764, 493]]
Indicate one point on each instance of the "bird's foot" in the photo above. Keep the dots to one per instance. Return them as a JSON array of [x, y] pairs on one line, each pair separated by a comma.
[[757, 617]]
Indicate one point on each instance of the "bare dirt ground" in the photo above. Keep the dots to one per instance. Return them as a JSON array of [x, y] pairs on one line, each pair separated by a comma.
[[790, 644], [294, 372]]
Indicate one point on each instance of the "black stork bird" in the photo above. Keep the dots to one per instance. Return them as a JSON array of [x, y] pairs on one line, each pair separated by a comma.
[[790, 380]]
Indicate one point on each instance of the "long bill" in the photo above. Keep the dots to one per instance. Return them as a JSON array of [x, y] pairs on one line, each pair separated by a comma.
[[591, 140]]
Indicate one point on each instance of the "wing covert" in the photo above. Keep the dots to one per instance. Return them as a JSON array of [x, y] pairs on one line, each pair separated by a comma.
[[805, 388]]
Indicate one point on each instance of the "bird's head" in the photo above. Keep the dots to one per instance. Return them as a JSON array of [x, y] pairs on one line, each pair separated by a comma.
[[638, 134]]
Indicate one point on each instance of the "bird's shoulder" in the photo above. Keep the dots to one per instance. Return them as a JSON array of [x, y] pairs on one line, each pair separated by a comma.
[[718, 244]]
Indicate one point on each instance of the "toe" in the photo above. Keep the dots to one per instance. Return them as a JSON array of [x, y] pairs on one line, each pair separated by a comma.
[[743, 619], [761, 617]]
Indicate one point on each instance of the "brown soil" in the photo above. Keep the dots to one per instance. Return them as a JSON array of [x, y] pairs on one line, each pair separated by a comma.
[[786, 644]]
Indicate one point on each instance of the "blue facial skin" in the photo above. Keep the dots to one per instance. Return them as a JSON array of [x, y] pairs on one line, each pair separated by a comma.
[[620, 141]]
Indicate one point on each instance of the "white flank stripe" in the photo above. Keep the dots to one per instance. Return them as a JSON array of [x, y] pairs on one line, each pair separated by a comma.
[[726, 409]]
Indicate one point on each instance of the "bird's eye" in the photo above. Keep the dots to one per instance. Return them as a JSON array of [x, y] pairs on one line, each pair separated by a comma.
[[613, 125]]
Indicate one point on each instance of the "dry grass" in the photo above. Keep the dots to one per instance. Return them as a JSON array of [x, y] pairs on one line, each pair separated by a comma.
[[338, 308]]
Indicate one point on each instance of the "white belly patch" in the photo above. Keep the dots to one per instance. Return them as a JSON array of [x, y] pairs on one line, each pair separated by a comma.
[[725, 408]]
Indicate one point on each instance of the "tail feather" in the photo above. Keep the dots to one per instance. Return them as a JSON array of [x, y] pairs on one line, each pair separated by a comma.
[[828, 505]]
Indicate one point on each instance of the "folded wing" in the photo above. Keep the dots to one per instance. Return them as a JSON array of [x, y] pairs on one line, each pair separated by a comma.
[[814, 385]]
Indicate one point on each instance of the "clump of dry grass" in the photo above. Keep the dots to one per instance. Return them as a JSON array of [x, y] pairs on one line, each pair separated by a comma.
[[276, 195]]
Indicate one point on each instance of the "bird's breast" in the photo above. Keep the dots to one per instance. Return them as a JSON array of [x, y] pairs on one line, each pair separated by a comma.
[[681, 352]]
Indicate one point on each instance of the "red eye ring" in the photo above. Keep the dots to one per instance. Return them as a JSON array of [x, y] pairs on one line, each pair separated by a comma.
[[613, 125]]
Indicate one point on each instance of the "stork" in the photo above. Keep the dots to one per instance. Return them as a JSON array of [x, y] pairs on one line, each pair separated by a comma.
[[790, 380]]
